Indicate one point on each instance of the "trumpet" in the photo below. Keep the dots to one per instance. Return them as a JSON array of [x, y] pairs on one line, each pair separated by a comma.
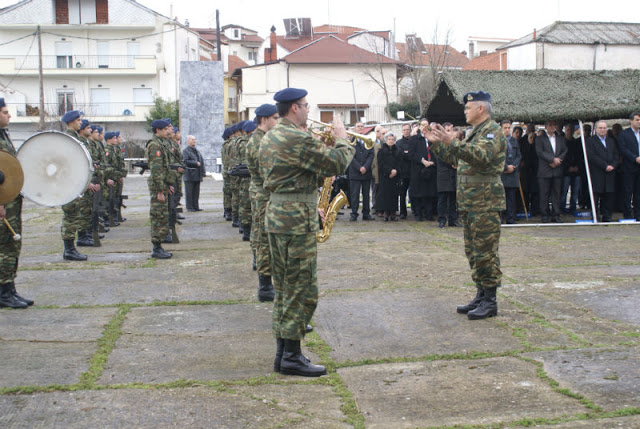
[[368, 139]]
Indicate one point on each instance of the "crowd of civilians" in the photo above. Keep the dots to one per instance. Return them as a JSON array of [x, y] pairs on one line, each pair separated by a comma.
[[544, 174]]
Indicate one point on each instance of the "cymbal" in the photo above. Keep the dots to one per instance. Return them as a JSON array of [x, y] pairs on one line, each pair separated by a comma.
[[11, 184]]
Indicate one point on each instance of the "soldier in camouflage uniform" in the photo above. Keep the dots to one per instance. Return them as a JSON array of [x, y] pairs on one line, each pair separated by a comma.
[[244, 182], [86, 210], [176, 151], [74, 211], [95, 140], [118, 170], [234, 159], [266, 118], [226, 185], [480, 196], [292, 163], [12, 212], [160, 186], [120, 185]]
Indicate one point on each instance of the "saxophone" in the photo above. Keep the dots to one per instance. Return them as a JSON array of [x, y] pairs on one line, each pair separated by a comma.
[[330, 209]]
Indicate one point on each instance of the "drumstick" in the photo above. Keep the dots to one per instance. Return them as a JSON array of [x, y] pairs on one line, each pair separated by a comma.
[[16, 237]]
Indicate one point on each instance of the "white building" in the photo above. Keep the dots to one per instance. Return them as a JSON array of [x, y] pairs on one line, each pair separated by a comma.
[[577, 46], [108, 58]]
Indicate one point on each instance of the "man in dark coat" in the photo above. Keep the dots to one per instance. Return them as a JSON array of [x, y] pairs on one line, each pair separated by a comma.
[[406, 150], [573, 168], [194, 174], [551, 150], [423, 176], [510, 174], [389, 162], [359, 173], [629, 146], [603, 160]]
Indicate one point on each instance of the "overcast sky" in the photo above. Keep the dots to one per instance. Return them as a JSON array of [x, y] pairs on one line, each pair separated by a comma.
[[464, 18]]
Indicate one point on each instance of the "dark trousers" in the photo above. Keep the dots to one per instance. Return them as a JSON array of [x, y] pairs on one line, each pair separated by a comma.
[[192, 194], [355, 186], [447, 207], [422, 208], [550, 187], [631, 184], [509, 215], [404, 187], [603, 202]]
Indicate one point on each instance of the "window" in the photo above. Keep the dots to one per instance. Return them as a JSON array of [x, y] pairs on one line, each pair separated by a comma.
[[353, 116], [236, 33], [82, 11], [133, 50], [252, 55], [142, 96], [235, 53], [64, 57], [103, 54], [65, 102], [100, 98], [326, 116]]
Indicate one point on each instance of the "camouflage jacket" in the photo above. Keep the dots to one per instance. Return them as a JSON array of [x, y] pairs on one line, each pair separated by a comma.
[[291, 162], [98, 152], [233, 155], [224, 154], [170, 152], [176, 156], [158, 160], [253, 146], [13, 207], [116, 161], [480, 159]]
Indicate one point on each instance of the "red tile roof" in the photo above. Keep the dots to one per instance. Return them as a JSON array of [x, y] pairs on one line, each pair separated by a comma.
[[453, 59], [252, 38], [332, 50], [235, 62], [343, 30], [484, 62]]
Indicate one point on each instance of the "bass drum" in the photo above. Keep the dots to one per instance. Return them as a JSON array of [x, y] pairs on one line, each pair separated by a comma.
[[57, 168]]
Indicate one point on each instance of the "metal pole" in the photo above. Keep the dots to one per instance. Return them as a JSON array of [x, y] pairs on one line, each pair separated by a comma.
[[41, 125], [586, 166], [355, 102], [219, 48]]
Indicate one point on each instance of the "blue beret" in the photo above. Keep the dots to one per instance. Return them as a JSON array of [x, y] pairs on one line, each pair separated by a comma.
[[117, 133], [70, 116], [2, 103], [238, 126], [476, 96], [85, 123], [225, 134], [110, 135], [249, 126], [266, 110], [289, 94], [167, 119], [94, 128], [160, 123], [176, 130], [100, 130]]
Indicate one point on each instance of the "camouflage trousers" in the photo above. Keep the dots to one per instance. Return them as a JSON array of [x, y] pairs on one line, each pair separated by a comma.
[[293, 270], [244, 201], [259, 237], [76, 216], [9, 248], [159, 216], [481, 240], [226, 191], [235, 195]]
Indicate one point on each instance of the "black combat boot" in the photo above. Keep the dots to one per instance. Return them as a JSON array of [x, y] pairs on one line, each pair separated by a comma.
[[295, 363], [279, 351], [488, 307], [85, 239], [246, 232], [235, 221], [240, 229], [308, 329], [265, 288], [159, 253], [18, 297], [227, 215], [70, 253], [475, 302], [7, 299]]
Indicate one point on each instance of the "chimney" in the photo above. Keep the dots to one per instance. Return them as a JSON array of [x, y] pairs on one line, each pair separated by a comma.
[[534, 34], [271, 53], [471, 48], [483, 53]]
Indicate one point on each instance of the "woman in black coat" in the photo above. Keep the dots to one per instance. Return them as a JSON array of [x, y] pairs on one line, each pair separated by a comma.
[[423, 189], [389, 162]]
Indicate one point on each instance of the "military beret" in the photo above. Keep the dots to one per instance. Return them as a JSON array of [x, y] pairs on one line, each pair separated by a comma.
[[238, 126], [110, 135], [249, 126], [100, 130], [289, 94], [94, 128], [476, 96], [225, 134], [168, 120], [176, 130], [85, 123], [2, 103], [117, 133], [70, 116], [160, 123], [266, 110]]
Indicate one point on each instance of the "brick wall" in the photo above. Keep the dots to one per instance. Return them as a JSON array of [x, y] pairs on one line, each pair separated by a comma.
[[102, 11], [62, 11]]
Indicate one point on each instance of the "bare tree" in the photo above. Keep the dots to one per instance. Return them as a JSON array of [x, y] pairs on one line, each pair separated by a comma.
[[375, 71]]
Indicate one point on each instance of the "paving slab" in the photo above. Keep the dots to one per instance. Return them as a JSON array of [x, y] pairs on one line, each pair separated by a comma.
[[193, 342], [43, 363], [404, 322], [460, 392], [154, 408], [609, 377], [65, 325], [631, 422]]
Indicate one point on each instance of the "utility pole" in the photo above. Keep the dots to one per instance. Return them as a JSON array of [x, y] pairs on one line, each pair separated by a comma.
[[219, 48], [41, 126]]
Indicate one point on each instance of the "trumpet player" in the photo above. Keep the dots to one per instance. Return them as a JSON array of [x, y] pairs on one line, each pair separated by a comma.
[[12, 213]]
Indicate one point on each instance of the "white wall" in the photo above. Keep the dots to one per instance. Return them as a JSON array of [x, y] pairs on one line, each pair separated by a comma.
[[30, 12], [581, 57], [371, 42], [522, 57]]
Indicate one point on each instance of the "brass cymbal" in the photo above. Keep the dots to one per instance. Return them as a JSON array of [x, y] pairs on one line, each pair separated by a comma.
[[11, 169]]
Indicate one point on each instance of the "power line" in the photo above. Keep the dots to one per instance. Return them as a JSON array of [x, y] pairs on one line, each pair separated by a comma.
[[109, 40], [23, 61], [15, 40]]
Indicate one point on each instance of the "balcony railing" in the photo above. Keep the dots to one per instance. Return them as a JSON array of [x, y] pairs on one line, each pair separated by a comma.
[[90, 109], [30, 62]]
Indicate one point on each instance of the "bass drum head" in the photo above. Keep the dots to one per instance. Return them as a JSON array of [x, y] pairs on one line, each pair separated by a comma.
[[57, 168]]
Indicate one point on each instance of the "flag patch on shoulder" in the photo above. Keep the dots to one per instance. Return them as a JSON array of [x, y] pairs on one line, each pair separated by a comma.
[[157, 153], [490, 136]]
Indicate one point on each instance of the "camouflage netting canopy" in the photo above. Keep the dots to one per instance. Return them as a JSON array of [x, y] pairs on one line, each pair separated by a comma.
[[539, 95]]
